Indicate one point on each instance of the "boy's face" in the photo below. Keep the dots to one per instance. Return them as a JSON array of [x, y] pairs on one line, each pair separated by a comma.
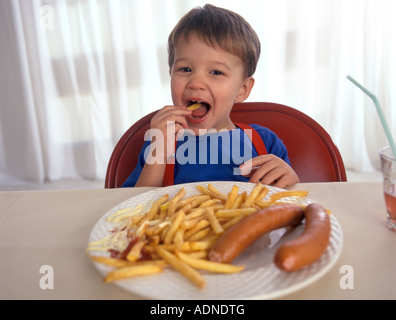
[[209, 75]]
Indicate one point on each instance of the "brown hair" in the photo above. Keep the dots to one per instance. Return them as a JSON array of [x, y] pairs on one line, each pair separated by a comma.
[[221, 28]]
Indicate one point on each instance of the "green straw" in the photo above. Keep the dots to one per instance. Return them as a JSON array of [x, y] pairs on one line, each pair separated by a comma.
[[380, 113]]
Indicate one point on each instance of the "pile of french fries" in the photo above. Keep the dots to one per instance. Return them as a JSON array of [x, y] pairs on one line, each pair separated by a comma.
[[179, 231]]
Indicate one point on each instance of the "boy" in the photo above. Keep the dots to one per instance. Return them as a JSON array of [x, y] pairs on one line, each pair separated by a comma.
[[213, 54]]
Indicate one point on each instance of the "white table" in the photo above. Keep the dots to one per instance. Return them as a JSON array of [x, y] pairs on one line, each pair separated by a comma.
[[40, 228]]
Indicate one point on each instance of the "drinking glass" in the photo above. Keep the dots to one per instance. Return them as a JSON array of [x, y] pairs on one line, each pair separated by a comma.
[[388, 169]]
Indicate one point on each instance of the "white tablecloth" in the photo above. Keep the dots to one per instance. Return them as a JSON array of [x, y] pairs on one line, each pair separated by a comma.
[[52, 228]]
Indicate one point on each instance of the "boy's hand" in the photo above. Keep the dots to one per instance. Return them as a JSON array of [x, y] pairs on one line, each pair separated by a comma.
[[170, 120], [269, 170]]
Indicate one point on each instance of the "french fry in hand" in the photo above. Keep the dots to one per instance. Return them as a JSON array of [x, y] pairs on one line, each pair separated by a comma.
[[194, 106]]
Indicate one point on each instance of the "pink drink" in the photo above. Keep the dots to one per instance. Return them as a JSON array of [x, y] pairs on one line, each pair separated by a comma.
[[391, 208], [388, 168]]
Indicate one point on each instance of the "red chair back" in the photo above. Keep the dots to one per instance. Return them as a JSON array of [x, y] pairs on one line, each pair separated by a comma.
[[313, 155]]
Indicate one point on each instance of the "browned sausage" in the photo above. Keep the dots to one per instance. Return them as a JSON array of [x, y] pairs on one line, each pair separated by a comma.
[[249, 229], [310, 245]]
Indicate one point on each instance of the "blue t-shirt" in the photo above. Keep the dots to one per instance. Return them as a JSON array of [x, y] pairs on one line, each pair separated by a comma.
[[213, 156]]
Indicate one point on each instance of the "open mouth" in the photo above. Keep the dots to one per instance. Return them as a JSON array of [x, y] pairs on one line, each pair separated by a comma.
[[199, 109]]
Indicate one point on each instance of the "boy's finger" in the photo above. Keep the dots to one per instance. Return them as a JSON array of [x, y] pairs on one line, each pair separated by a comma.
[[253, 164]]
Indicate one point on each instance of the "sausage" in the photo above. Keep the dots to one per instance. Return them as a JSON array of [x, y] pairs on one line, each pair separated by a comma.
[[244, 233], [310, 245]]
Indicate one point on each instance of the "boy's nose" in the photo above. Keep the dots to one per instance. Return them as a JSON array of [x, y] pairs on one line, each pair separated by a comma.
[[196, 83]]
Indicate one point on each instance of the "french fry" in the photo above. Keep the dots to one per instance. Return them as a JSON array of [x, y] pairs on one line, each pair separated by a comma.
[[200, 245], [195, 213], [186, 201], [194, 106], [288, 193], [230, 213], [120, 263], [142, 229], [232, 221], [124, 214], [195, 203], [173, 228], [209, 203], [154, 241], [212, 188], [132, 271], [200, 234], [172, 203], [154, 208], [134, 253], [135, 220], [185, 246], [217, 228], [239, 201], [157, 229], [232, 195], [179, 236], [264, 191], [203, 223], [186, 270], [199, 254], [190, 223], [113, 262], [253, 195], [262, 203], [164, 232], [160, 263], [206, 191], [163, 213], [208, 265]]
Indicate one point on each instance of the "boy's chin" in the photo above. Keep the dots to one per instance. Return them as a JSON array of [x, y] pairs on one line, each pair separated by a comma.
[[207, 127]]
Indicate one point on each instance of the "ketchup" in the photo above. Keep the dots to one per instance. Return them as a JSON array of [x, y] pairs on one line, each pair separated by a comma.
[[144, 256]]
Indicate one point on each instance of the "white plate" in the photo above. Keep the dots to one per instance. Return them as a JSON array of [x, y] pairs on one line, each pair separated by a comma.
[[261, 279]]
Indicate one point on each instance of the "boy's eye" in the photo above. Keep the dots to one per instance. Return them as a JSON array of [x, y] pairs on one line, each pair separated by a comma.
[[185, 69], [217, 72]]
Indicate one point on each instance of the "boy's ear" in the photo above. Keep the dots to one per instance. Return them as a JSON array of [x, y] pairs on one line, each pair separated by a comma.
[[245, 89]]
